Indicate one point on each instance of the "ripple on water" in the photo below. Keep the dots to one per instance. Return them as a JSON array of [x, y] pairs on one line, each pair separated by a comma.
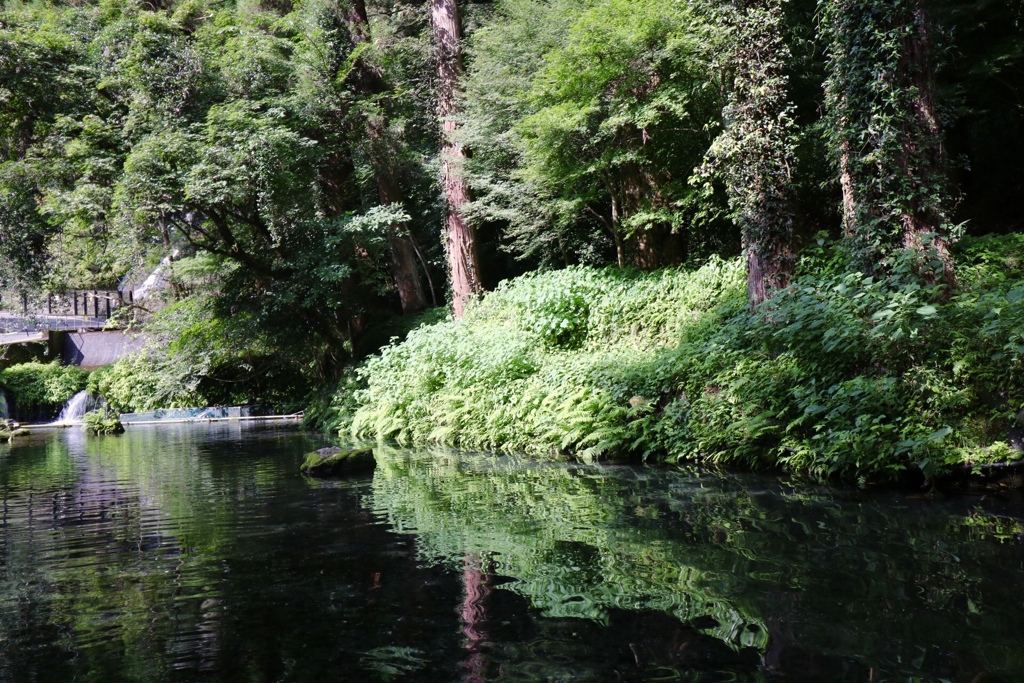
[[181, 553]]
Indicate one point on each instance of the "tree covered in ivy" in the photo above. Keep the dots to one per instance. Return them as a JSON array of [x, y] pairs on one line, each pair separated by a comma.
[[885, 130], [755, 153]]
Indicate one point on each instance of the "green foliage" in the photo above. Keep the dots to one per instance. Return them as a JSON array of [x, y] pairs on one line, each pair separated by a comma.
[[585, 120], [250, 142], [852, 376], [42, 385], [547, 362], [841, 376], [144, 381], [229, 137], [196, 357], [102, 421]]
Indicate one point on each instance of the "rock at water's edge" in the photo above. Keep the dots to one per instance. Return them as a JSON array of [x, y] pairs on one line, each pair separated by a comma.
[[338, 462], [9, 432]]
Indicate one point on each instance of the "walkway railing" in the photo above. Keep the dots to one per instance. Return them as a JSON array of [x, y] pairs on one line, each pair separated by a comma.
[[74, 310], [20, 324]]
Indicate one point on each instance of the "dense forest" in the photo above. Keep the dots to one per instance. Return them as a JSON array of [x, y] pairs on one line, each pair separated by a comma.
[[753, 232]]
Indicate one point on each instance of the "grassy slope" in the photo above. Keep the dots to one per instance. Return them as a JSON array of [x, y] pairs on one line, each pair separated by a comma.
[[841, 375]]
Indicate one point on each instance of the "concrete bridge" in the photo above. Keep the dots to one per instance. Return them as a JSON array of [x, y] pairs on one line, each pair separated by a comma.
[[78, 340], [86, 349]]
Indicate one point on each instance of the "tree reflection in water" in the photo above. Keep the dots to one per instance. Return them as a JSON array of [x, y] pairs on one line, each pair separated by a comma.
[[200, 554], [474, 618], [711, 575]]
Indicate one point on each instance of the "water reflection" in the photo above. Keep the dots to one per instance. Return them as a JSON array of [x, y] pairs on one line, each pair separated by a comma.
[[716, 579], [198, 553], [179, 553]]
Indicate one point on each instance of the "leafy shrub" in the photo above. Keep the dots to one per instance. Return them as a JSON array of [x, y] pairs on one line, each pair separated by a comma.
[[46, 386], [557, 315], [547, 362], [144, 381], [850, 375], [102, 421], [842, 374]]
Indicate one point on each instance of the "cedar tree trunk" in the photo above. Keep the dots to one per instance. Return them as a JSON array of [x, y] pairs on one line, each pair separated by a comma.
[[460, 238]]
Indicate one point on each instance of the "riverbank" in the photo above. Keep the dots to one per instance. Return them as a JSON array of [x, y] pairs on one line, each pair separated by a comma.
[[842, 375]]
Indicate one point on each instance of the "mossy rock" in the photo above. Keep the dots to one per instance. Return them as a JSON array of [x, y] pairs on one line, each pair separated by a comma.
[[8, 434], [10, 429], [105, 427], [338, 462], [101, 421]]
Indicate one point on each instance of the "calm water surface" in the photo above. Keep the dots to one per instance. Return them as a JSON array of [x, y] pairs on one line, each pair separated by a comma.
[[197, 553]]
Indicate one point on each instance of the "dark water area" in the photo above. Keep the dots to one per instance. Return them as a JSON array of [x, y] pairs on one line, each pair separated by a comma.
[[198, 553]]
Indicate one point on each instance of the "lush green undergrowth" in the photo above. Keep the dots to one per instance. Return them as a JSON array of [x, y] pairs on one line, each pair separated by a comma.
[[40, 390], [102, 421], [840, 375]]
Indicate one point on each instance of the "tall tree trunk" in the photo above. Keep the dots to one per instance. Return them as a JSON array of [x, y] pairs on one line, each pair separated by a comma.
[[655, 245], [880, 97], [846, 185], [403, 251], [620, 249], [924, 220], [370, 82], [460, 237], [756, 151]]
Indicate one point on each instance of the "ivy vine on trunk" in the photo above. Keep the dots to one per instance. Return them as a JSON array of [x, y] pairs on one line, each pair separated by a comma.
[[882, 121], [755, 153]]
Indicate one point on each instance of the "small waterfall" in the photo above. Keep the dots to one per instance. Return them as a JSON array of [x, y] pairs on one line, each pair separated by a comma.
[[78, 406], [157, 279], [4, 414]]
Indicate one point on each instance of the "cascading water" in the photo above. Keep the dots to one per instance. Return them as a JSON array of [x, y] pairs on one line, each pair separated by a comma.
[[76, 408], [4, 414], [157, 279]]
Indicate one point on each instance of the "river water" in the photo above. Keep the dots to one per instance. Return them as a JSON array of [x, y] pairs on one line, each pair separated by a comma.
[[198, 553]]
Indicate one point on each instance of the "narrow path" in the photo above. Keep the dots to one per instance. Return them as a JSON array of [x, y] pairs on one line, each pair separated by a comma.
[[23, 337], [12, 323]]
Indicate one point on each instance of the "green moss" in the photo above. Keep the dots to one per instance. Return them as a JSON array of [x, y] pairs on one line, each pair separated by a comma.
[[331, 462]]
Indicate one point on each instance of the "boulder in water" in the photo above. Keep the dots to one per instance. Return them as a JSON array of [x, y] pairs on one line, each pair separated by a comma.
[[102, 422], [338, 462], [10, 429]]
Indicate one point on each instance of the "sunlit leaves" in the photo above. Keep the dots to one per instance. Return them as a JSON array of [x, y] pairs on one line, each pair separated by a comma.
[[582, 115]]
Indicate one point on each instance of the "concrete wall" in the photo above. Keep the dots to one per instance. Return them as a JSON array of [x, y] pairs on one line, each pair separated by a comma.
[[91, 350]]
